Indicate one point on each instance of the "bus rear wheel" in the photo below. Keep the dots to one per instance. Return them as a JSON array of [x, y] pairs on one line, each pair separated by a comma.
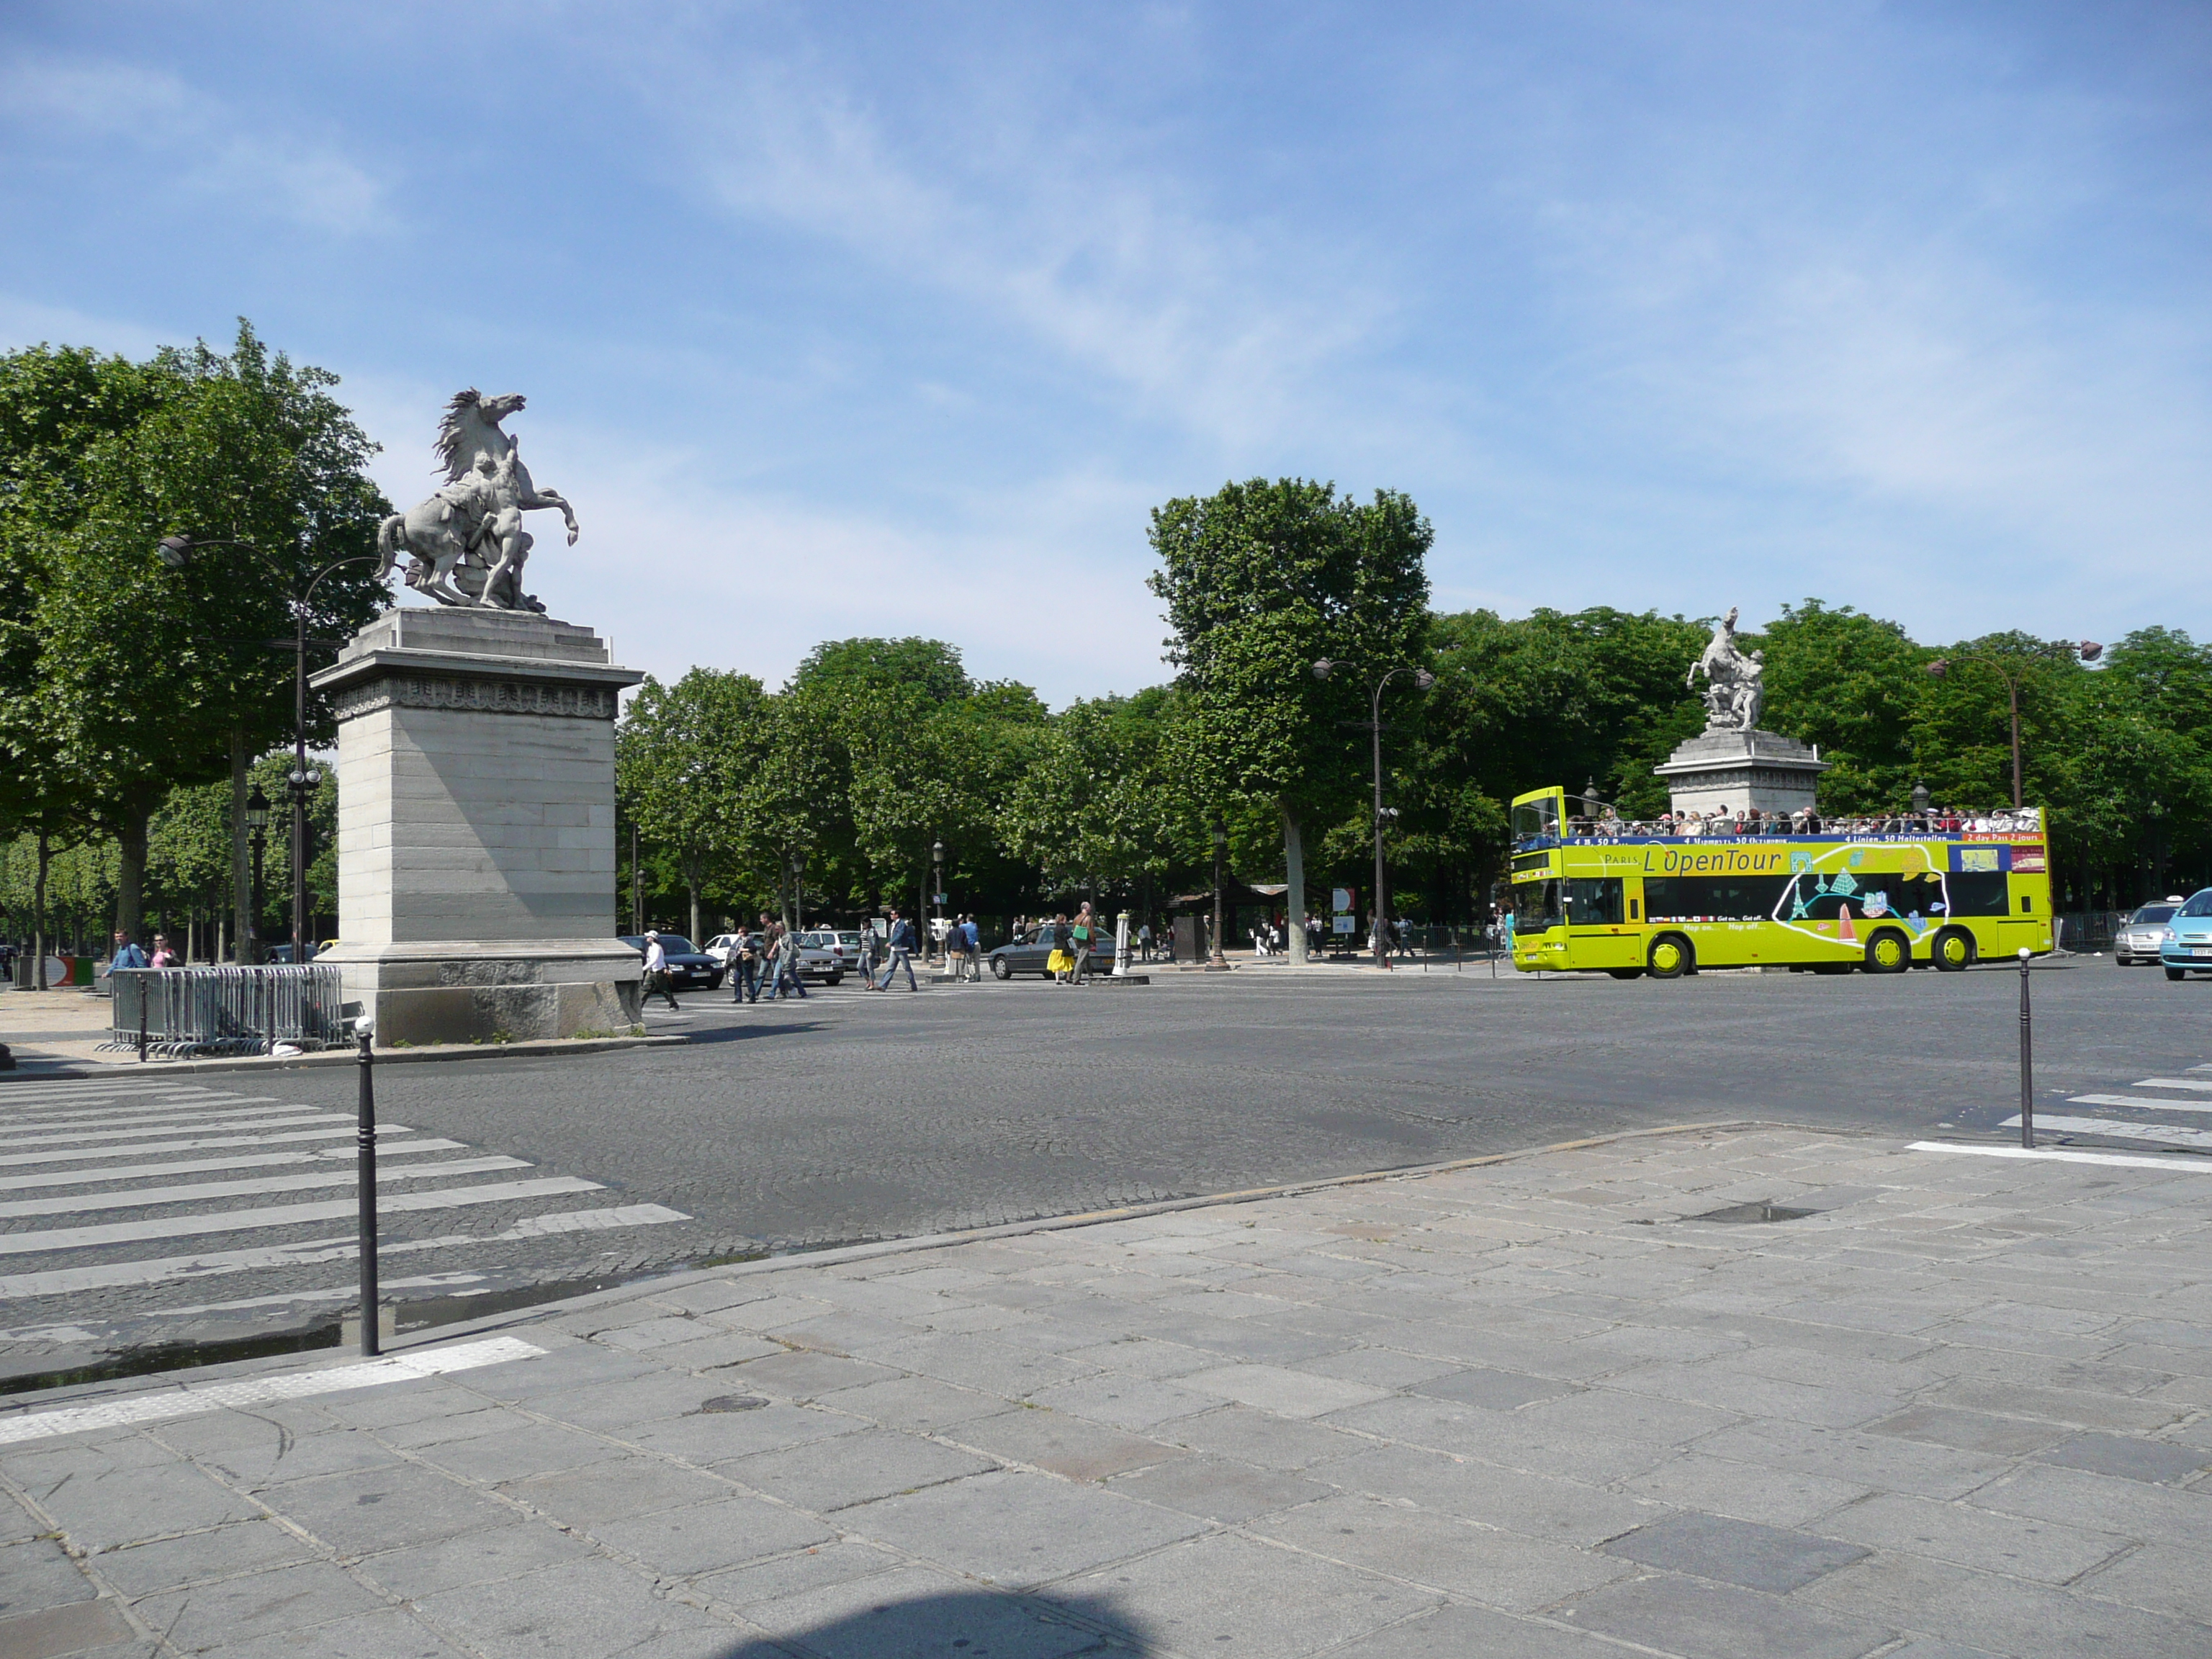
[[1889, 953], [1671, 956], [1954, 950]]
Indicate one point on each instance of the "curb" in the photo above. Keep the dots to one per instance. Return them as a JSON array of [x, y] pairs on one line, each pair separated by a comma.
[[890, 1247], [338, 1057]]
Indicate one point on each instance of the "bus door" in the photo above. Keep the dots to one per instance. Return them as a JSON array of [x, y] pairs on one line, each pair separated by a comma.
[[1599, 934]]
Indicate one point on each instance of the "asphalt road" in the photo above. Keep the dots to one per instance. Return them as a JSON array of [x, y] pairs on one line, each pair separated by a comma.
[[853, 1116]]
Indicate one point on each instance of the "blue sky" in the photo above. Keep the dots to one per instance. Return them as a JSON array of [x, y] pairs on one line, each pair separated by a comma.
[[844, 319]]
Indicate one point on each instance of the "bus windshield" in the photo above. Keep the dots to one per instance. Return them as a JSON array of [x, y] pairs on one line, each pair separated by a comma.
[[1535, 819]]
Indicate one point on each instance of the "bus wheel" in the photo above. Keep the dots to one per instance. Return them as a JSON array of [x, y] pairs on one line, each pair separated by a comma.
[[1626, 973], [1954, 950], [1670, 956], [1889, 953]]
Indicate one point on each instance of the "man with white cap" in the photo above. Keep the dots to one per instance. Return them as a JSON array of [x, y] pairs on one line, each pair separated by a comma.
[[656, 971]]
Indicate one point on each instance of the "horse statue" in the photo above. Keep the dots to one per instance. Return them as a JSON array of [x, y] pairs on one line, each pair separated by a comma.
[[1726, 668], [466, 544]]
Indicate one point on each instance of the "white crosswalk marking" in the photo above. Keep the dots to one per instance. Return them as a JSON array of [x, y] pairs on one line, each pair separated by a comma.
[[2200, 1107], [201, 1165], [67, 1281], [146, 1149], [198, 1161], [2164, 1134], [2173, 1083], [283, 1215], [197, 1191]]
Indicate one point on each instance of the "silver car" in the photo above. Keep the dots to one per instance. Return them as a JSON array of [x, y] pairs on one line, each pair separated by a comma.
[[2139, 936]]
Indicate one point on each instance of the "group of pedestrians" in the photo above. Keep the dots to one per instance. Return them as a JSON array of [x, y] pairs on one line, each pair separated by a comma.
[[765, 961], [963, 950]]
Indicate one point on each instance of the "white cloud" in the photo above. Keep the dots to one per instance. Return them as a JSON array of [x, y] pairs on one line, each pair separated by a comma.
[[1110, 260], [215, 149]]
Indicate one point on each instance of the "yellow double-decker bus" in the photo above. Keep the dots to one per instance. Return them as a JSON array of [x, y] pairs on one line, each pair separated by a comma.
[[1599, 894]]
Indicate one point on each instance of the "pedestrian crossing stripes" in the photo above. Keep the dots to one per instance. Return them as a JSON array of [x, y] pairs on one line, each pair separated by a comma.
[[2138, 1118], [94, 1171]]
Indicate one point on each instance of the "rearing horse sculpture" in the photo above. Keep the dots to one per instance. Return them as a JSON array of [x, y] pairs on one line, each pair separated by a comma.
[[474, 522]]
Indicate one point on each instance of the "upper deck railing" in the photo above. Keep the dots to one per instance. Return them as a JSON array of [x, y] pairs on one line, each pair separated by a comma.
[[1802, 826]]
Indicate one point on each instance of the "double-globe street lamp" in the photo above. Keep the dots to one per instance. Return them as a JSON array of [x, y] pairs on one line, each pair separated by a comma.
[[2087, 650], [1422, 680], [176, 552]]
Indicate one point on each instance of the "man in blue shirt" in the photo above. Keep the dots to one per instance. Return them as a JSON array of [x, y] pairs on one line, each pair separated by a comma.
[[901, 953], [974, 949]]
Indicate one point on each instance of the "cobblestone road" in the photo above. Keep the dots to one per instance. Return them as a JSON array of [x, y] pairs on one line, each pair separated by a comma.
[[851, 1116]]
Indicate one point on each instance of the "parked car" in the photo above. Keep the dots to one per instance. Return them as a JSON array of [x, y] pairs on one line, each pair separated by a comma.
[[280, 955], [829, 954], [2185, 942], [2139, 936], [816, 960], [688, 968], [1030, 953]]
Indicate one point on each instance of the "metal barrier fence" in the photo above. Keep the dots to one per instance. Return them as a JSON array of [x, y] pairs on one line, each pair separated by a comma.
[[178, 1012]]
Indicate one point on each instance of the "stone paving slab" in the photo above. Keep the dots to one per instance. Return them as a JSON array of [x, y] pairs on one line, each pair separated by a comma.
[[1527, 1409]]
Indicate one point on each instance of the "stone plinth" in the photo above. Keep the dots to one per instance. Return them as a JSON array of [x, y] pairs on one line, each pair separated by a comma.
[[477, 827], [1740, 769]]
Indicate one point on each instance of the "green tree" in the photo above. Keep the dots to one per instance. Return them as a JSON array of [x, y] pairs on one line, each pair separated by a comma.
[[130, 677], [683, 756], [1261, 579]]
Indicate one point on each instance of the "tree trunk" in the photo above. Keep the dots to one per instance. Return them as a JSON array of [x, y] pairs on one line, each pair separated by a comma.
[[38, 912], [130, 874], [1294, 872], [241, 863]]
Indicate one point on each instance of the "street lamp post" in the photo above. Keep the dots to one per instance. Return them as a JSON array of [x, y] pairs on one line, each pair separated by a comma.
[[176, 552], [2088, 650], [257, 832], [1423, 679], [798, 890], [936, 882]]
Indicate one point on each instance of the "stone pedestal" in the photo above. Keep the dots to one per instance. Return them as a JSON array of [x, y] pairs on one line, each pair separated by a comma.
[[1740, 769], [477, 827]]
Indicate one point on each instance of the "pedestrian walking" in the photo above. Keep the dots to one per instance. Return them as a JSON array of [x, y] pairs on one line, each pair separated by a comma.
[[974, 940], [656, 971], [1082, 932], [955, 949], [744, 966], [900, 954], [787, 968], [163, 957], [1060, 962], [867, 951], [127, 955]]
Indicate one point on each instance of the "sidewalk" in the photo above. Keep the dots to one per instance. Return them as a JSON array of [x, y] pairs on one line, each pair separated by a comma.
[[1533, 1408], [59, 1034]]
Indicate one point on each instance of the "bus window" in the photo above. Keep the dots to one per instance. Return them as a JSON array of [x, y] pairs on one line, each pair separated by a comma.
[[1593, 901], [1536, 820], [1535, 906], [1713, 898], [1979, 893]]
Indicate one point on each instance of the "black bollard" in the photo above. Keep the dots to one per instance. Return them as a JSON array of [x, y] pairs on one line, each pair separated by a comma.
[[2026, 1061], [366, 1141]]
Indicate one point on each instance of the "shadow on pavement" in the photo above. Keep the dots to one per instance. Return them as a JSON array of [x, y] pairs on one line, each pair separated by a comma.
[[962, 1625], [742, 1033]]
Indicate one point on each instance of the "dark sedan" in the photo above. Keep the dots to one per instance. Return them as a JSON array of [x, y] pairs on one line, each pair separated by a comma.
[[687, 968], [1030, 953]]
